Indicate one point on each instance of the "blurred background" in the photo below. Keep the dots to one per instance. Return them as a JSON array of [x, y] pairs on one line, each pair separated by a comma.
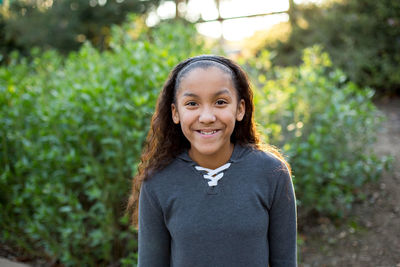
[[79, 81]]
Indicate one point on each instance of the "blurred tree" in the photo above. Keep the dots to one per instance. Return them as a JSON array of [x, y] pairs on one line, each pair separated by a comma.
[[63, 24], [292, 13], [362, 37], [178, 11]]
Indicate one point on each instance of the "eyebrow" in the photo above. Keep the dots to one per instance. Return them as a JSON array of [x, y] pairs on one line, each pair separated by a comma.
[[221, 92]]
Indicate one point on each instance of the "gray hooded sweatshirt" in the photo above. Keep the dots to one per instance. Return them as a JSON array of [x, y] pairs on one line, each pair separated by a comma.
[[246, 217]]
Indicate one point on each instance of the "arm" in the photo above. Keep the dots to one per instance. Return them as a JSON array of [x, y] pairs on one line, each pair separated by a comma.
[[282, 231], [154, 238]]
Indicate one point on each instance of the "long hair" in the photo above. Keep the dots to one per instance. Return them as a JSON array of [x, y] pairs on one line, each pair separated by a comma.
[[165, 139]]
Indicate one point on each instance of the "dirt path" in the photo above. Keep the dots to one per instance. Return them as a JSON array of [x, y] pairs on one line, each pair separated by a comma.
[[372, 236], [7, 263]]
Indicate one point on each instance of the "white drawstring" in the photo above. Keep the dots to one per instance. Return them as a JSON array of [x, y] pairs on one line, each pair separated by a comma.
[[213, 175]]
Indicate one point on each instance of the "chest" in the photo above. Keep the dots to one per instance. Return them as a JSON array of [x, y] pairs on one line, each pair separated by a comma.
[[236, 207]]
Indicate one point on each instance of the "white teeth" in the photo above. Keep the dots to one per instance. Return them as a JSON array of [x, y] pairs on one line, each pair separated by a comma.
[[208, 133]]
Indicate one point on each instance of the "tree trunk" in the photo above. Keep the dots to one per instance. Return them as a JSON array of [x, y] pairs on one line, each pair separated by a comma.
[[292, 13]]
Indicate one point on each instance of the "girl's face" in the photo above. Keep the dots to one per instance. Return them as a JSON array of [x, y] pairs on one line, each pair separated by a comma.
[[207, 107]]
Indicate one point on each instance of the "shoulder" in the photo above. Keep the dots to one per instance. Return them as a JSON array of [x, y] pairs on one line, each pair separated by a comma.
[[167, 176], [266, 173], [264, 169], [264, 160]]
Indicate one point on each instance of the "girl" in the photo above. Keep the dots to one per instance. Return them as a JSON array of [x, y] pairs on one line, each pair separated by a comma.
[[205, 192]]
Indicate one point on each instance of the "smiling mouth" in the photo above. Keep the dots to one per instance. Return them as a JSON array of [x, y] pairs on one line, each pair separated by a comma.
[[207, 132]]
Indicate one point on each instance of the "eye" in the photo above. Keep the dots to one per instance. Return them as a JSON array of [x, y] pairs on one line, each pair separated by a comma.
[[191, 104], [221, 102]]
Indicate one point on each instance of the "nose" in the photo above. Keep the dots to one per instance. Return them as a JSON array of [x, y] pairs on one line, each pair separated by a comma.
[[207, 116]]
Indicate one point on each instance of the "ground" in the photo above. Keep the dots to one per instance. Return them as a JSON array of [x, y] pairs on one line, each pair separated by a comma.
[[370, 236]]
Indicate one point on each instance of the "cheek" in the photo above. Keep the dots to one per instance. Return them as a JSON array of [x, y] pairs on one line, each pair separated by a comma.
[[229, 117], [187, 118]]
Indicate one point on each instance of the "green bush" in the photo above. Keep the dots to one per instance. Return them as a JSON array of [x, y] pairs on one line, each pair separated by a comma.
[[71, 135], [325, 125]]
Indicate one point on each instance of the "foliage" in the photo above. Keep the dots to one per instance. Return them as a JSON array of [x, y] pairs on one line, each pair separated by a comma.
[[361, 36], [325, 125], [63, 24], [71, 132]]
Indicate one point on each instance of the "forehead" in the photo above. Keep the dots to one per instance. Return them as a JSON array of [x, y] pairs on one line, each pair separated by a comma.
[[210, 77]]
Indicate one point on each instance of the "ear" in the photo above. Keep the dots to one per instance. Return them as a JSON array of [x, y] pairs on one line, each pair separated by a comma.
[[241, 110], [175, 114]]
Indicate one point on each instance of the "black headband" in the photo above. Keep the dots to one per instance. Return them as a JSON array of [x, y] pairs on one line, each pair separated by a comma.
[[216, 59]]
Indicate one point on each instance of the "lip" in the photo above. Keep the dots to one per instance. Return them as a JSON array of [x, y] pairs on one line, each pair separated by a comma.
[[208, 132]]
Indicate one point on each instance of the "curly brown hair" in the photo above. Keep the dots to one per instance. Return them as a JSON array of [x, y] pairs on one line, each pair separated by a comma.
[[165, 139]]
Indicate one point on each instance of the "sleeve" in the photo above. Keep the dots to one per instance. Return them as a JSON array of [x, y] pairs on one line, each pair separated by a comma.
[[154, 237], [282, 232]]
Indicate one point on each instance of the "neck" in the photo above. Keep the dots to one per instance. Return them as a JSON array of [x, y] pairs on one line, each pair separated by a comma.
[[212, 161]]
